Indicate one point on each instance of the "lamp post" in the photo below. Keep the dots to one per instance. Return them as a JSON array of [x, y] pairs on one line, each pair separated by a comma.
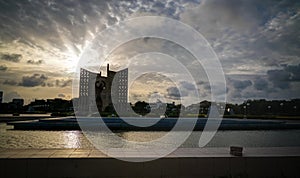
[[245, 108], [269, 108], [248, 108], [281, 108]]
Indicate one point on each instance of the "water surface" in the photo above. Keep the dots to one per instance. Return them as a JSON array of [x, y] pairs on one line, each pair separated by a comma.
[[75, 139]]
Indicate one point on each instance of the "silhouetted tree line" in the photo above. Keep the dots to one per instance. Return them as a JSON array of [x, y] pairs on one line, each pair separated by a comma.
[[38, 106], [260, 107], [274, 107], [249, 108]]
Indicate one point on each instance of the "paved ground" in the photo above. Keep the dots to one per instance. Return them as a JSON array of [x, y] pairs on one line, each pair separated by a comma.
[[192, 163], [183, 152]]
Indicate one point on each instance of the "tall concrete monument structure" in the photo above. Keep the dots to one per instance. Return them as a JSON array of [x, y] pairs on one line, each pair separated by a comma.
[[109, 90]]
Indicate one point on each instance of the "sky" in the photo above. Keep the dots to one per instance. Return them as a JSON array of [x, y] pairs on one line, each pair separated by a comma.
[[257, 43]]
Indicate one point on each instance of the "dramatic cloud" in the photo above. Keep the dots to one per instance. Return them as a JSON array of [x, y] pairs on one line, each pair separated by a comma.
[[294, 72], [185, 89], [173, 93], [10, 82], [260, 84], [35, 62], [63, 83], [279, 78], [282, 78], [50, 85], [188, 86], [11, 57], [241, 85], [8, 97], [33, 81], [256, 41], [61, 95], [253, 39], [248, 35], [3, 67]]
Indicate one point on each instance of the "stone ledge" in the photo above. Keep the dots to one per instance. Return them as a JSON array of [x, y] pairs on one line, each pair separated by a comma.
[[181, 152]]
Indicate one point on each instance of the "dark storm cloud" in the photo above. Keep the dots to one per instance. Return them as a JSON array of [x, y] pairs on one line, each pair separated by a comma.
[[177, 94], [243, 31], [188, 86], [11, 57], [63, 83], [33, 80], [282, 78], [3, 67], [279, 78], [260, 84], [61, 95], [252, 37], [35, 62], [294, 71], [201, 83], [207, 86], [50, 85], [10, 82], [241, 85], [248, 36], [173, 93]]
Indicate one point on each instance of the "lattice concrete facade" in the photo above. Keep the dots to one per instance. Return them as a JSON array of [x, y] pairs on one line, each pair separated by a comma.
[[102, 90]]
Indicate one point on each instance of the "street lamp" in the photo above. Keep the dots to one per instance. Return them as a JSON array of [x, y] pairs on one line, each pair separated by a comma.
[[269, 108], [245, 108], [281, 108], [248, 108]]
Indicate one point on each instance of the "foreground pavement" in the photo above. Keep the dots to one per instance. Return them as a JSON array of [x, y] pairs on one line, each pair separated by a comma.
[[184, 162]]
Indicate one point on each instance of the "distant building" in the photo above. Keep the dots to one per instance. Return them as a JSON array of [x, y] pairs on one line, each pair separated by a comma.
[[18, 102], [104, 91], [59, 104], [16, 105], [50, 105], [38, 105]]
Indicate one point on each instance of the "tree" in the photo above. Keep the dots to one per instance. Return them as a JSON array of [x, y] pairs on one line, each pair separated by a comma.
[[142, 108]]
